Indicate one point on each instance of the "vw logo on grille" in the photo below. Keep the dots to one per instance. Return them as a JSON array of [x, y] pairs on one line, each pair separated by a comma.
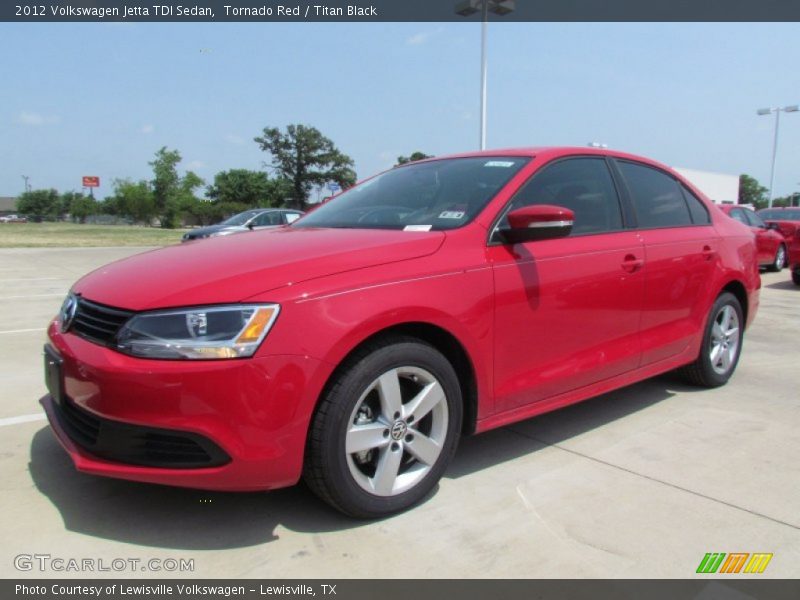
[[399, 430], [68, 310]]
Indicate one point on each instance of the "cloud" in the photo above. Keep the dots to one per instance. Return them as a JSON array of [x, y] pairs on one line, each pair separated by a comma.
[[196, 165], [234, 139], [34, 119], [423, 36], [147, 128]]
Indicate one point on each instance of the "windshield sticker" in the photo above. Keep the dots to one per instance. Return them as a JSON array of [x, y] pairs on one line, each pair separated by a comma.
[[499, 163], [452, 214], [417, 228]]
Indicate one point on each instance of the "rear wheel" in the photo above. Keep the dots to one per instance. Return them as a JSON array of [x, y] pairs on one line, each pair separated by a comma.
[[722, 344], [780, 259], [386, 429]]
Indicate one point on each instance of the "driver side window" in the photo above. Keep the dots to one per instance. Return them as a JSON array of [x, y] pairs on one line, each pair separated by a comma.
[[583, 185]]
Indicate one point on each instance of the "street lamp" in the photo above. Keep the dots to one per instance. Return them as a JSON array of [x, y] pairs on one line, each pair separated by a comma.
[[767, 111], [466, 8], [27, 184]]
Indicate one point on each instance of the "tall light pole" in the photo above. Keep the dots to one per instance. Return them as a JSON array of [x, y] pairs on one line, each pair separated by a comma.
[[27, 184], [777, 111], [466, 8]]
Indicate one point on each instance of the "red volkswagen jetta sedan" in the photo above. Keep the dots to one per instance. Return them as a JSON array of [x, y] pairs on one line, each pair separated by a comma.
[[354, 347]]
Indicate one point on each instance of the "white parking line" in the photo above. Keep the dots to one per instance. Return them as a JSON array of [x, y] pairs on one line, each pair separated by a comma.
[[32, 296], [22, 419], [32, 279], [23, 330]]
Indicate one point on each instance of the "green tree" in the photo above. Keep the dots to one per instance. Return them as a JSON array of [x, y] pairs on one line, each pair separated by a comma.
[[253, 189], [171, 192], [752, 192], [133, 199], [167, 187], [306, 158], [65, 202], [789, 200], [415, 156], [40, 204], [80, 206]]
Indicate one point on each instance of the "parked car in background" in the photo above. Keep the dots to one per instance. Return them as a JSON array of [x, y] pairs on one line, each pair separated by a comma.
[[13, 219], [259, 218], [772, 247], [787, 221], [357, 345]]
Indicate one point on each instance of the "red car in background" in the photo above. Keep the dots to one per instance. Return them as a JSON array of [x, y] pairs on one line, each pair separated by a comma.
[[788, 222], [772, 246], [355, 346]]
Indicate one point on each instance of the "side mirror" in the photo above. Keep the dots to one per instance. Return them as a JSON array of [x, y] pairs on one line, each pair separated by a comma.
[[538, 222], [250, 225], [773, 226]]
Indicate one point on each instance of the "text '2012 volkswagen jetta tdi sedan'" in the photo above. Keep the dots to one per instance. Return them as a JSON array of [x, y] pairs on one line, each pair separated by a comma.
[[354, 347]]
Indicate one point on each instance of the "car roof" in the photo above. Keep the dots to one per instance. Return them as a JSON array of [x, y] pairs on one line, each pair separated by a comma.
[[551, 152], [726, 208]]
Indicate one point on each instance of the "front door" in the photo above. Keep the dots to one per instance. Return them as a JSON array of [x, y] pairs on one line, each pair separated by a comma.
[[567, 310]]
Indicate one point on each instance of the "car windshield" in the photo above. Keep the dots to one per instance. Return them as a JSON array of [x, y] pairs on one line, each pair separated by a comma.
[[435, 195], [781, 214], [240, 219]]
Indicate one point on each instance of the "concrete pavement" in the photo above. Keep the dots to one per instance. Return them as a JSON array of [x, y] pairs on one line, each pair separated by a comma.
[[641, 482]]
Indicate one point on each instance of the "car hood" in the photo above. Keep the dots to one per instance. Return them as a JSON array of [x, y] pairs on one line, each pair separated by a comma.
[[234, 268]]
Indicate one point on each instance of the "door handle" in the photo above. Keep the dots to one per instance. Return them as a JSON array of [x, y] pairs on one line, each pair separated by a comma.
[[708, 252], [631, 263]]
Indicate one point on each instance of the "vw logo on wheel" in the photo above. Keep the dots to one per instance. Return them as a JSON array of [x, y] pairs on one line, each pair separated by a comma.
[[67, 314], [399, 430]]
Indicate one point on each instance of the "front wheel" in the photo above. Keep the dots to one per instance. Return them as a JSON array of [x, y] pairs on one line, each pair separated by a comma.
[[780, 259], [796, 276], [722, 344], [385, 430]]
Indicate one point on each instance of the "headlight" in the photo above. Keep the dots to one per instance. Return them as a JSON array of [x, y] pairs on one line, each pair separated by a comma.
[[198, 333]]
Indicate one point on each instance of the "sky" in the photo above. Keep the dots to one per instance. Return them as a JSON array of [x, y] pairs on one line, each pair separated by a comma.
[[101, 98]]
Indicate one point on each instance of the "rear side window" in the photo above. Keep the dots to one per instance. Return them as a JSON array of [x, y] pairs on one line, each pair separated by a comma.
[[754, 219], [697, 209], [738, 214], [657, 198], [292, 217], [583, 185]]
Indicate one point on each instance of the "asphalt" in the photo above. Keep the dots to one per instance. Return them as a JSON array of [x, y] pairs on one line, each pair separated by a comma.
[[638, 483]]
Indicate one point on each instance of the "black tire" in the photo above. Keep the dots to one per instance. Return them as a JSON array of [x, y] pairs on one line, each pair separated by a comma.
[[340, 478], [702, 372], [780, 260], [796, 276]]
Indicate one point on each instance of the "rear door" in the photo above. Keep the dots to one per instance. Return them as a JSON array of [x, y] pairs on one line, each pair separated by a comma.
[[681, 253], [567, 310]]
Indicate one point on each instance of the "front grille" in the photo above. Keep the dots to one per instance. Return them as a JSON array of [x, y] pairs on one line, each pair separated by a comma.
[[138, 445], [97, 322]]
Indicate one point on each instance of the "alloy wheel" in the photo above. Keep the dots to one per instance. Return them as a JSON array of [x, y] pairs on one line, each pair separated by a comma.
[[724, 340], [396, 431]]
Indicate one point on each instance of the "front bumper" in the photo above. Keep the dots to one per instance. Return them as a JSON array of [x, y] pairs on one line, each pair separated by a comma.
[[255, 412]]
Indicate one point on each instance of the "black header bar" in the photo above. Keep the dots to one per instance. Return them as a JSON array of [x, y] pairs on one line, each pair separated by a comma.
[[398, 10]]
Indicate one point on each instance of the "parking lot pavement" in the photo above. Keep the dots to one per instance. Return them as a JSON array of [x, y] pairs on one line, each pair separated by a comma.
[[641, 482]]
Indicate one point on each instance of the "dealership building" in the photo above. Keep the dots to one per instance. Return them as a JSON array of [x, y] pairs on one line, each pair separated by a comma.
[[719, 187]]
